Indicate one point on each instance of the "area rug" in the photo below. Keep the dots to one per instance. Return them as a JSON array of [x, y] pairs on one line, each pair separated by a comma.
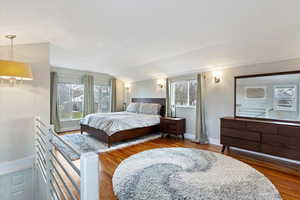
[[185, 173], [86, 143]]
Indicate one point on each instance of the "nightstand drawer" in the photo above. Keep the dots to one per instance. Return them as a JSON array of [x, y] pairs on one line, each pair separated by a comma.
[[172, 128], [173, 122], [168, 128]]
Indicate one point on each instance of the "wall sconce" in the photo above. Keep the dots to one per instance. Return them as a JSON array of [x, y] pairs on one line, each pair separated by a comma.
[[160, 83], [127, 86], [217, 76]]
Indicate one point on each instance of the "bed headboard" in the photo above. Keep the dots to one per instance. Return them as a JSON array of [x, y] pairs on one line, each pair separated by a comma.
[[161, 101]]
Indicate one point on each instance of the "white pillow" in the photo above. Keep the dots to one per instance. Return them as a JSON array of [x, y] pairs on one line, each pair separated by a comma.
[[150, 108], [133, 107]]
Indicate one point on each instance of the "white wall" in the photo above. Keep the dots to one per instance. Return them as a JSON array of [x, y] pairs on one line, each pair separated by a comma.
[[220, 97], [19, 105], [189, 113]]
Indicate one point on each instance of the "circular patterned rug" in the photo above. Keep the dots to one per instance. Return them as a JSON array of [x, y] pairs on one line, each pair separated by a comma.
[[185, 173]]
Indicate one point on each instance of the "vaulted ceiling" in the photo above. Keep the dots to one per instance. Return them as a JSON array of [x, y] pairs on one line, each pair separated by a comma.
[[143, 39]]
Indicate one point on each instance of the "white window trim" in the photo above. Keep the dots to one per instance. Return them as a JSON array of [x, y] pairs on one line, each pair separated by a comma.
[[183, 106]]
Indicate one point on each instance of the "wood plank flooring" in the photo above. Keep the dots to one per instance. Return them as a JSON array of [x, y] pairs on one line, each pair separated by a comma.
[[285, 177]]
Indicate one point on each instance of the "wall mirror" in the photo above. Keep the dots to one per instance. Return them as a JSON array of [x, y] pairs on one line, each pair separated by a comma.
[[272, 96]]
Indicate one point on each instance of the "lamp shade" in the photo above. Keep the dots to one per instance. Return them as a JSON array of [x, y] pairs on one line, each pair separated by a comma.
[[17, 70]]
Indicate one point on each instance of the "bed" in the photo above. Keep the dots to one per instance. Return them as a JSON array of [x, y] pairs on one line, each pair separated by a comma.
[[149, 123]]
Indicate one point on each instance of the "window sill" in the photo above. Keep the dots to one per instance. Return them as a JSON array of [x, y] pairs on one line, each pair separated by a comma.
[[69, 120], [187, 107]]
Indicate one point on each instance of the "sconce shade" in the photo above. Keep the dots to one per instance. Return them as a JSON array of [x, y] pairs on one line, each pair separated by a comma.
[[160, 83], [15, 70]]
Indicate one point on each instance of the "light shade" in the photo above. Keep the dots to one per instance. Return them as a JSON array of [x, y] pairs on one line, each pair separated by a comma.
[[16, 70], [160, 83]]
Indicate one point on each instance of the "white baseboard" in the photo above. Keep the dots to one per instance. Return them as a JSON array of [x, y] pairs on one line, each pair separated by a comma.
[[189, 136], [16, 165], [214, 141]]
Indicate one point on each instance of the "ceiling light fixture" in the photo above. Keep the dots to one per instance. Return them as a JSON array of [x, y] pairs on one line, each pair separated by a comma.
[[14, 71]]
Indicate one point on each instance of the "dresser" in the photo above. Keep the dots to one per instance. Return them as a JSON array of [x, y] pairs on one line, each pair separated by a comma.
[[174, 126], [270, 137]]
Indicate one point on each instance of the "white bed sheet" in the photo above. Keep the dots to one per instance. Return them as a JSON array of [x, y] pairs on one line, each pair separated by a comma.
[[119, 121]]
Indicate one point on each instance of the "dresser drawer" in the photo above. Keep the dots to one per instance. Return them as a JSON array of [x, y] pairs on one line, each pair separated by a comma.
[[270, 137], [262, 127], [289, 131], [242, 134], [279, 151], [281, 141], [226, 123], [236, 142]]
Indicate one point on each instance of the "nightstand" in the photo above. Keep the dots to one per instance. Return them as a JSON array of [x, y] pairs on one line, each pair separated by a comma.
[[173, 126]]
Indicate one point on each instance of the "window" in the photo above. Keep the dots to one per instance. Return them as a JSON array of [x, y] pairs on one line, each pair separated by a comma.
[[70, 100], [184, 93], [102, 96], [285, 98]]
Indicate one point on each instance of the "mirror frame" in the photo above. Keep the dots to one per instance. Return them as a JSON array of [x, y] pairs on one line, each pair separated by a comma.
[[261, 75]]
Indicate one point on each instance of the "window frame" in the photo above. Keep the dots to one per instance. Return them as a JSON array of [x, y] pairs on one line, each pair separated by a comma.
[[173, 84]]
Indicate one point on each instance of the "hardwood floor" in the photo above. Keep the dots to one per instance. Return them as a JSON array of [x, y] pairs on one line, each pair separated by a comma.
[[285, 177]]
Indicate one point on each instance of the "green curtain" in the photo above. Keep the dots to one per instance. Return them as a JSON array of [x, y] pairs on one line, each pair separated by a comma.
[[168, 98], [201, 133], [113, 105], [54, 115], [89, 101]]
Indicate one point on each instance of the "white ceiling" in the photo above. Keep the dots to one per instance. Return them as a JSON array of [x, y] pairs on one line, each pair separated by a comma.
[[143, 39]]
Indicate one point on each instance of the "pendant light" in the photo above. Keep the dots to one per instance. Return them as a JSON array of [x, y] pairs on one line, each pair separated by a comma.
[[12, 70]]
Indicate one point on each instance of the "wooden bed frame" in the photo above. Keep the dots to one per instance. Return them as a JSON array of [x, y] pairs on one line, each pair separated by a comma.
[[127, 134]]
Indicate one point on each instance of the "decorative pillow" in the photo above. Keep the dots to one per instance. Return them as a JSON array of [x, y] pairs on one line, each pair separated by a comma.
[[150, 108], [133, 107]]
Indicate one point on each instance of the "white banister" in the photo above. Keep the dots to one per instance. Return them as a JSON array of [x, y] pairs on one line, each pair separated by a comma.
[[49, 165], [89, 168]]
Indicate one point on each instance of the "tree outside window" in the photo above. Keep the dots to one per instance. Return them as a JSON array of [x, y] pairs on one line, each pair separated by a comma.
[[102, 95], [184, 93], [70, 101]]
